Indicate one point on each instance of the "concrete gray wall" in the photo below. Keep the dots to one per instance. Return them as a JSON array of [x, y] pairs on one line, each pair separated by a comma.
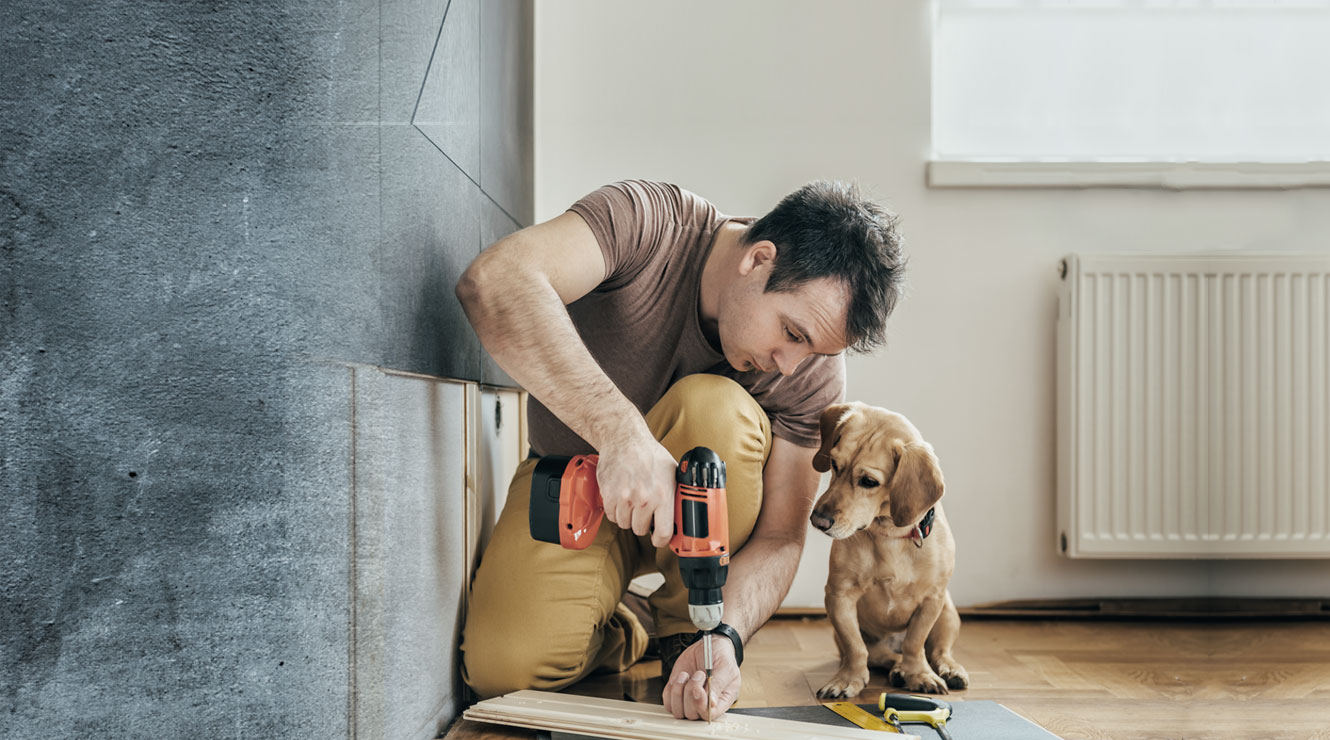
[[216, 220]]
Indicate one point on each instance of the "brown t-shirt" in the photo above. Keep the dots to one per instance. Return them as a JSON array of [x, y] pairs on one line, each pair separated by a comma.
[[641, 323]]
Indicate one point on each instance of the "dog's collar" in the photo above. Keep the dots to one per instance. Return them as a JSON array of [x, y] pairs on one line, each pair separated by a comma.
[[921, 530]]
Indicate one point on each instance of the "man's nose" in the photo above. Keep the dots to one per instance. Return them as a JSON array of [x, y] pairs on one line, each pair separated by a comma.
[[789, 361]]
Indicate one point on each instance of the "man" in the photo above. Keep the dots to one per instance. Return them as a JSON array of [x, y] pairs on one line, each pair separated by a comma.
[[643, 323]]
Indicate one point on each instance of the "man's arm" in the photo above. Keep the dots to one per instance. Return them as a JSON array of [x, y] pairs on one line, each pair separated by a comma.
[[762, 571], [514, 294], [760, 575]]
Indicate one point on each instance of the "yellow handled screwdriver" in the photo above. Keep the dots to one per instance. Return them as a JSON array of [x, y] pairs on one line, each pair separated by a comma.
[[898, 708]]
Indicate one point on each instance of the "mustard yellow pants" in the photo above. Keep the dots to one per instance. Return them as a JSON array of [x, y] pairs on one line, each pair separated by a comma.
[[542, 617]]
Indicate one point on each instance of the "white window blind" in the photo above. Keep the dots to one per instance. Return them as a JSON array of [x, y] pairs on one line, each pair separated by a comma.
[[1132, 80]]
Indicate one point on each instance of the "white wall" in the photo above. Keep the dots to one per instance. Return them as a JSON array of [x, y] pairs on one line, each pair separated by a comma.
[[741, 102]]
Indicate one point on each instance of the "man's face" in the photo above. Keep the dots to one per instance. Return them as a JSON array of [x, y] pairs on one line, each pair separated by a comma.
[[779, 331]]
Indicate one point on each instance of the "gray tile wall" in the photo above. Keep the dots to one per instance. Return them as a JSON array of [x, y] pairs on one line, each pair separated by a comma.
[[213, 218], [410, 435]]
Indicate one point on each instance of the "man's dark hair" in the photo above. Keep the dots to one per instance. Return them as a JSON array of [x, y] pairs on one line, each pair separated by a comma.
[[827, 229]]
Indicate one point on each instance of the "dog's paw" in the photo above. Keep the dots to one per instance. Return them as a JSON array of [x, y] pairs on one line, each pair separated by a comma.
[[920, 682], [844, 685], [955, 676]]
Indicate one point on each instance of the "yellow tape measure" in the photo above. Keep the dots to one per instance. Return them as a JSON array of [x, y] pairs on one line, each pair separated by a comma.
[[855, 714]]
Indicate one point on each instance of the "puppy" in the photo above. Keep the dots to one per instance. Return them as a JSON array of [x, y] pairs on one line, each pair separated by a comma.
[[893, 555]]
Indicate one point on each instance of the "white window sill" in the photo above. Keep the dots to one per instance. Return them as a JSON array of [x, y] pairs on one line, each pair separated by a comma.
[[973, 173]]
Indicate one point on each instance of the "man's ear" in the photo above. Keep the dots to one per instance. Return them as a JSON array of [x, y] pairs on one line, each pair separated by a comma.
[[831, 420], [756, 255], [917, 483]]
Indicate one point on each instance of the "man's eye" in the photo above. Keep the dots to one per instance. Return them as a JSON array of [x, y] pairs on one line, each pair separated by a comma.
[[866, 482], [835, 468], [793, 337]]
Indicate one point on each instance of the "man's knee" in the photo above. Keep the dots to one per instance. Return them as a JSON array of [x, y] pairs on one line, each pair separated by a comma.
[[507, 663], [715, 405], [704, 390], [491, 675]]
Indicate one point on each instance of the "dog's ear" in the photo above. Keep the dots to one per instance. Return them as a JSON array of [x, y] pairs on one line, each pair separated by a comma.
[[832, 418], [917, 483]]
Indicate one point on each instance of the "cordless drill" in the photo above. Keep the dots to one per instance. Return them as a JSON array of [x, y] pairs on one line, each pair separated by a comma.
[[566, 509]]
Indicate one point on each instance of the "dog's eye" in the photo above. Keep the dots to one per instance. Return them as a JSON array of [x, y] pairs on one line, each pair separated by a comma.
[[866, 482]]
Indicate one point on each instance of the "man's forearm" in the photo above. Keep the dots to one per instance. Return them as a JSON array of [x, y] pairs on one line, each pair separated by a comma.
[[526, 329], [760, 576]]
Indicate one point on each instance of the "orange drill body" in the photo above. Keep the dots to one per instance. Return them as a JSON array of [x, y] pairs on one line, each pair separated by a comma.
[[714, 540], [566, 508]]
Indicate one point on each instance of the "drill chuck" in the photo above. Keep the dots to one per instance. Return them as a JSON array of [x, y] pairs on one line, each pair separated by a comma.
[[706, 617], [705, 579]]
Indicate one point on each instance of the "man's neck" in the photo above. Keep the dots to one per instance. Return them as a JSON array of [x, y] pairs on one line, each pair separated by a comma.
[[717, 273]]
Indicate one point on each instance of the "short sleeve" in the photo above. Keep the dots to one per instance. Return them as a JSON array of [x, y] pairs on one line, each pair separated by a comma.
[[631, 220]]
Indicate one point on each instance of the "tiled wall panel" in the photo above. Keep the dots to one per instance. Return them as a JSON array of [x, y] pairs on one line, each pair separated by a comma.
[[212, 217]]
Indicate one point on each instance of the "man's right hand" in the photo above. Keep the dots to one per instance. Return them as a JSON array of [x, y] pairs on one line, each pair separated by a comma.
[[637, 487], [515, 295]]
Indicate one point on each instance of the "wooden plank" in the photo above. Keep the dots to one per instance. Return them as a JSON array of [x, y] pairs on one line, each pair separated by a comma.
[[624, 720]]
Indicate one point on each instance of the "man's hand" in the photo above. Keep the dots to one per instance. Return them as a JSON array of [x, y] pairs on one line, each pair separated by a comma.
[[637, 487], [684, 694]]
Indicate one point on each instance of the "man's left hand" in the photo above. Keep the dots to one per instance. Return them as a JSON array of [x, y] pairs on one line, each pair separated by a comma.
[[685, 696]]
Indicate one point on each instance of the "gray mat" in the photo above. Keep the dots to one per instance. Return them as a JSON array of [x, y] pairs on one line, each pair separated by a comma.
[[970, 720]]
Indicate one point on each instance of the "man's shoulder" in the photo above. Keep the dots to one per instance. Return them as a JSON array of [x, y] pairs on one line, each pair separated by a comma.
[[654, 196]]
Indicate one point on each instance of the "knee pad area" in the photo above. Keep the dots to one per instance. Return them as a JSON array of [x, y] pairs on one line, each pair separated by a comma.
[[509, 666], [714, 399]]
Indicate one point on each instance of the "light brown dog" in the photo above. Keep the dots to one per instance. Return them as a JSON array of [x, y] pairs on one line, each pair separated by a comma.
[[889, 570]]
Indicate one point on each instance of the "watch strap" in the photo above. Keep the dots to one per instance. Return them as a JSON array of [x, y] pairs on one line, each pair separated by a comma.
[[733, 634]]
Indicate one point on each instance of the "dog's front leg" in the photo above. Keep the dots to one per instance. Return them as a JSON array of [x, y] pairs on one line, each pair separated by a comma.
[[939, 645], [913, 672], [852, 677]]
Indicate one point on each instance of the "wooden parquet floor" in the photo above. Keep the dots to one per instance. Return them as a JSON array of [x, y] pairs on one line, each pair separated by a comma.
[[1099, 680]]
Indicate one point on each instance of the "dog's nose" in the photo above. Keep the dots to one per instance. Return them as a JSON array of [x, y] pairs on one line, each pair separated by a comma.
[[821, 521]]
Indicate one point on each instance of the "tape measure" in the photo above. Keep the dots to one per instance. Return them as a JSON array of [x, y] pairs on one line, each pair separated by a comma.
[[860, 717], [897, 708]]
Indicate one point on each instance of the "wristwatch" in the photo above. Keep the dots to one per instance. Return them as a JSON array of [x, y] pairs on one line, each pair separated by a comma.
[[733, 634]]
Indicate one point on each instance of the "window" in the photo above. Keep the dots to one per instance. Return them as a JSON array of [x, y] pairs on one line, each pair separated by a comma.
[[1132, 81]]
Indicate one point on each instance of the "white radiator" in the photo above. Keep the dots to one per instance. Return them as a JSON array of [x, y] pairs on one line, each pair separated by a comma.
[[1194, 406]]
